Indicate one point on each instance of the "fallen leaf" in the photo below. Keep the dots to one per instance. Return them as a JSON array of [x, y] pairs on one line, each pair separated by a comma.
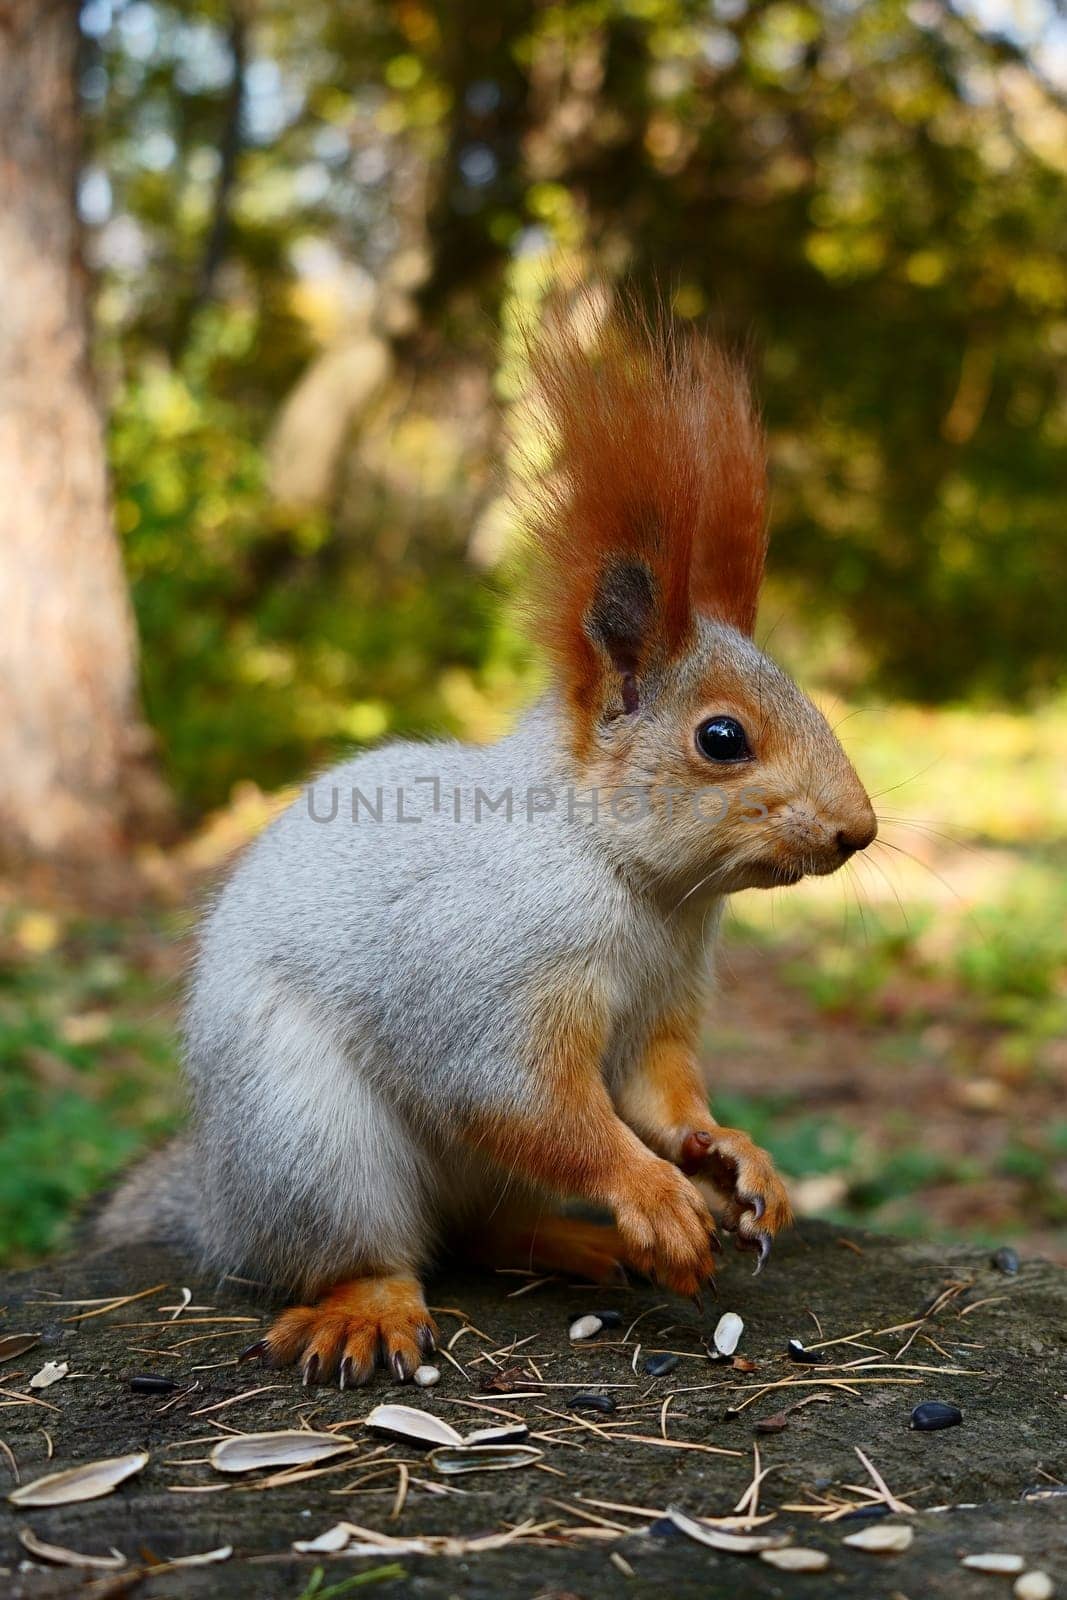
[[776, 1423], [506, 1381]]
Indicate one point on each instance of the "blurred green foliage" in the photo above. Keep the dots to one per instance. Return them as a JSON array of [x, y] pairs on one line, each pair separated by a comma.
[[268, 640], [89, 1068], [874, 193]]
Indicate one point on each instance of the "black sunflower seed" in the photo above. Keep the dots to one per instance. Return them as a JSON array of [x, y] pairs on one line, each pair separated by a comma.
[[603, 1403], [607, 1319], [152, 1383], [1006, 1259], [933, 1414], [806, 1358], [664, 1528], [659, 1366]]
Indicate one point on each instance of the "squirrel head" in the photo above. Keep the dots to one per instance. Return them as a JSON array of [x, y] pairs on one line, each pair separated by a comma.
[[649, 529]]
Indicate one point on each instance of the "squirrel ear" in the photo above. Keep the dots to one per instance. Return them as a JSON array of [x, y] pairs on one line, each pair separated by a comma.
[[620, 620]]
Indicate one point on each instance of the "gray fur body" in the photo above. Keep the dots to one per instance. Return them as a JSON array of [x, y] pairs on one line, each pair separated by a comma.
[[366, 991], [361, 987]]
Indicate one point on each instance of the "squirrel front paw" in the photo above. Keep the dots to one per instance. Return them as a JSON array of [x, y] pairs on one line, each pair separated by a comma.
[[667, 1230], [755, 1204]]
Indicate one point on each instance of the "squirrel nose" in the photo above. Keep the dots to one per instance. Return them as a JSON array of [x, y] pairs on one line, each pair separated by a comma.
[[856, 837]]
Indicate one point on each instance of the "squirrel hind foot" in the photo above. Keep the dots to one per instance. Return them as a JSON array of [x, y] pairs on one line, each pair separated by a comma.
[[358, 1325]]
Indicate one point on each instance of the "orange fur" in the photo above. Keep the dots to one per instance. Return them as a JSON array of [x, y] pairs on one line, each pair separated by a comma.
[[356, 1325], [666, 1102], [552, 1243], [659, 461], [667, 1097], [572, 1143]]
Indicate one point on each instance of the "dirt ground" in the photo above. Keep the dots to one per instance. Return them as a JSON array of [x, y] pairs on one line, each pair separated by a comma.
[[591, 1505], [937, 1135]]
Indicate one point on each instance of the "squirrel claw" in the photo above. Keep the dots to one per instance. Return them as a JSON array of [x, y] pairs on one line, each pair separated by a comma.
[[258, 1349], [425, 1339], [695, 1149], [764, 1252], [310, 1371]]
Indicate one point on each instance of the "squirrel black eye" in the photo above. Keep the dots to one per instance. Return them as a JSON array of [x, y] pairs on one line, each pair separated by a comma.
[[722, 739]]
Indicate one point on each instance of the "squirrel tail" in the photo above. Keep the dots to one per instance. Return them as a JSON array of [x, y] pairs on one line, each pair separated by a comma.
[[154, 1204]]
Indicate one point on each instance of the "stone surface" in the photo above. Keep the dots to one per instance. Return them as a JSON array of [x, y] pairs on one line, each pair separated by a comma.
[[1009, 1332]]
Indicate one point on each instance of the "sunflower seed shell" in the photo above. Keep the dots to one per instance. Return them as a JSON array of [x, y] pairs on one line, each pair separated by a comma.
[[505, 1433], [994, 1561], [62, 1557], [89, 1481], [796, 1559], [585, 1328], [289, 1447], [1033, 1586], [16, 1344], [450, 1460], [884, 1538], [412, 1425], [728, 1331], [738, 1544]]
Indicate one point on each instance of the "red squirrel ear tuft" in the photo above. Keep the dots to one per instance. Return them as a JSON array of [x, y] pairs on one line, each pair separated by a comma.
[[653, 507], [730, 537]]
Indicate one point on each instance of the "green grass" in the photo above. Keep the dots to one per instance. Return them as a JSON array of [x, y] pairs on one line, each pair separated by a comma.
[[334, 1591]]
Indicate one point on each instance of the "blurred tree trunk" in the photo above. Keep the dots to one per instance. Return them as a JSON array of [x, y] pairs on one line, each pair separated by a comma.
[[76, 770], [487, 121]]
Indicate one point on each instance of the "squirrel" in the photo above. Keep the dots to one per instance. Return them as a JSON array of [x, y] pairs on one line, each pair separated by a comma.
[[455, 987]]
